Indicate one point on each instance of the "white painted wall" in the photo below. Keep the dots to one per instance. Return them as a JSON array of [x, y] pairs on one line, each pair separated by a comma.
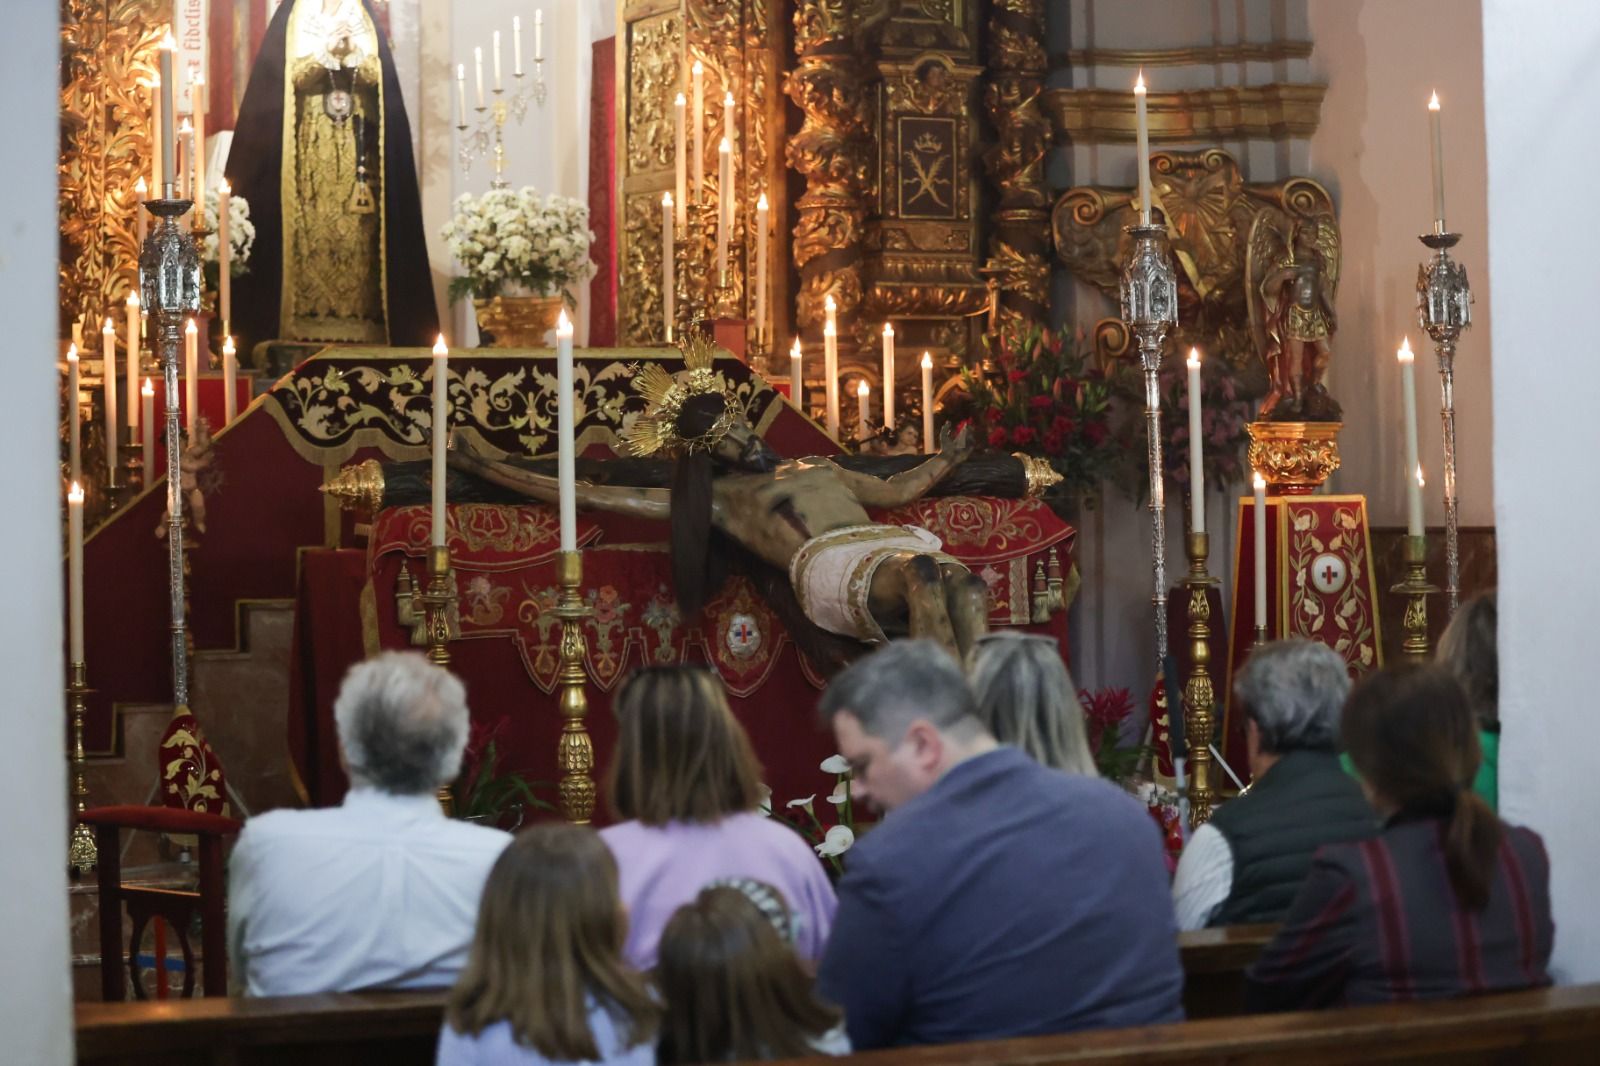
[[1542, 88], [35, 978], [1371, 151]]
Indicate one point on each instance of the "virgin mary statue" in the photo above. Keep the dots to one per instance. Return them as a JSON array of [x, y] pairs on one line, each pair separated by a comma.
[[322, 151]]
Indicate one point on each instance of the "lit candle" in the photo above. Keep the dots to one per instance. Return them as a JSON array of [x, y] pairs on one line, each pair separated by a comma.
[[538, 34], [797, 381], [927, 403], [1414, 525], [763, 212], [888, 375], [134, 322], [108, 362], [863, 390], [191, 375], [224, 258], [724, 207], [74, 460], [142, 191], [230, 381], [1260, 516], [727, 115], [158, 151], [1408, 402], [441, 434], [147, 398], [168, 141], [830, 365], [668, 293], [1197, 472], [185, 158], [1143, 149], [197, 111], [461, 95], [697, 81], [499, 85], [1437, 152], [477, 62], [516, 45], [680, 157], [75, 570], [566, 453]]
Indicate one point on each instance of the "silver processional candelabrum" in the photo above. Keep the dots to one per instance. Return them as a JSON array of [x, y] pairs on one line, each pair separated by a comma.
[[488, 136], [1150, 309], [169, 285], [1444, 306]]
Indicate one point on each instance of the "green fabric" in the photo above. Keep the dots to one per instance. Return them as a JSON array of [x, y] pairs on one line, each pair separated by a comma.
[[1486, 784]]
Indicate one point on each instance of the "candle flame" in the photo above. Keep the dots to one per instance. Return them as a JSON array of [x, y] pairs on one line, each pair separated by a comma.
[[761, 202], [563, 325], [1259, 482], [1194, 358], [439, 347], [168, 42], [725, 146], [698, 69], [184, 126], [1138, 86], [1433, 102], [190, 327], [863, 388], [461, 72], [795, 351], [679, 101], [828, 303], [75, 494], [1404, 354], [141, 188], [108, 328], [727, 99], [227, 346], [72, 353], [927, 361], [888, 329], [224, 188], [133, 301], [666, 199], [828, 329], [1420, 483], [148, 389]]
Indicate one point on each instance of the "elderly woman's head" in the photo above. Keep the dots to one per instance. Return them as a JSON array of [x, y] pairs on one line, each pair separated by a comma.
[[1293, 692], [1026, 697], [681, 755], [402, 724]]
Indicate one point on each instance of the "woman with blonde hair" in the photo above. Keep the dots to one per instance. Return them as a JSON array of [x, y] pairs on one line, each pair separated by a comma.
[[731, 987], [686, 785], [545, 981], [1027, 699]]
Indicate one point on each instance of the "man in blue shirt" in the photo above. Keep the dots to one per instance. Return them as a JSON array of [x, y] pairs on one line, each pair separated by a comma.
[[997, 898]]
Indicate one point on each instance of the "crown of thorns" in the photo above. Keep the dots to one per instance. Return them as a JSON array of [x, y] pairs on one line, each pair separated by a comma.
[[656, 432]]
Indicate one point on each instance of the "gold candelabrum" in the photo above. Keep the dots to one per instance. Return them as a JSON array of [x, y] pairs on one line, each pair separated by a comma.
[[1199, 696], [693, 296], [575, 752], [488, 137], [1416, 587], [439, 626], [81, 853]]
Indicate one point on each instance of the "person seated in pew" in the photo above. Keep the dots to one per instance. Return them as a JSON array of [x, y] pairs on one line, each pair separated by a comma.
[[1027, 699], [732, 989], [997, 897], [685, 777], [1446, 901], [545, 981], [1246, 864], [381, 891]]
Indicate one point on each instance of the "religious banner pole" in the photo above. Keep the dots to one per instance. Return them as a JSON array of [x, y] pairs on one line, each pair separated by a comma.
[[1444, 306]]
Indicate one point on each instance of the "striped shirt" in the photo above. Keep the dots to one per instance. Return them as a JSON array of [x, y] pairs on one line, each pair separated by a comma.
[[1377, 921]]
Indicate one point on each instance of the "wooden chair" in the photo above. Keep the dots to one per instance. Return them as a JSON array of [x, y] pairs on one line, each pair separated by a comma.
[[177, 908]]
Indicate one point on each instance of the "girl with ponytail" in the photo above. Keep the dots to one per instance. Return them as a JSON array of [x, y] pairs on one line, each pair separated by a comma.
[[1448, 900]]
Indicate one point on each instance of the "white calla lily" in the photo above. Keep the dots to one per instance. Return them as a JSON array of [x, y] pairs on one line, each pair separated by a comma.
[[837, 842], [841, 795], [836, 764], [805, 803]]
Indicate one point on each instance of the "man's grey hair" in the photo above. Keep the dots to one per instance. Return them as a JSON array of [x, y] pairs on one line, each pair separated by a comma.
[[402, 723], [898, 684], [1294, 690], [1026, 697]]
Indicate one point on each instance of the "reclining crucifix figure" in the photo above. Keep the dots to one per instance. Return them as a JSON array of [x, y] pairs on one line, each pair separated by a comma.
[[806, 517]]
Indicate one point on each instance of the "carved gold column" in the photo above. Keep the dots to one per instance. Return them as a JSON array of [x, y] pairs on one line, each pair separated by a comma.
[[575, 751], [1019, 243], [1199, 694]]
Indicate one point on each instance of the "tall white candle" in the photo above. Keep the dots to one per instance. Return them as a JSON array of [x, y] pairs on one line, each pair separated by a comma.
[[763, 214], [680, 157], [724, 206], [197, 111], [75, 571], [224, 258], [697, 83], [461, 94], [441, 435], [230, 381], [142, 191], [516, 45], [1197, 472], [134, 322], [108, 361], [797, 377], [1436, 151], [830, 365], [1414, 488], [567, 449], [477, 64], [668, 282], [147, 401], [727, 115], [499, 84], [863, 393], [1408, 403], [927, 403], [538, 34], [1143, 149], [888, 375], [1259, 514], [74, 458], [158, 133], [168, 112], [191, 375], [185, 159]]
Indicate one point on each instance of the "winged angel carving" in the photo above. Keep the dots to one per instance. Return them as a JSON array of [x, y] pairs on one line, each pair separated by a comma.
[[1292, 271]]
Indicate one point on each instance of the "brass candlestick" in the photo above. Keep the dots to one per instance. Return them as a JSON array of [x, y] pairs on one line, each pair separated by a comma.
[[1260, 637], [81, 853], [441, 623], [1415, 585], [1199, 697], [575, 753]]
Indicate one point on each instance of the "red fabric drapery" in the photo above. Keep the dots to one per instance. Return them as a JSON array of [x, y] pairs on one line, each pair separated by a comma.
[[602, 186]]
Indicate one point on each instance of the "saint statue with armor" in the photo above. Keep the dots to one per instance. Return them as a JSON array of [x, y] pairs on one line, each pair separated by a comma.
[[1293, 270]]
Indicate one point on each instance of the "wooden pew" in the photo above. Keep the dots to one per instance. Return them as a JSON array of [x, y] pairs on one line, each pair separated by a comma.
[[1214, 962]]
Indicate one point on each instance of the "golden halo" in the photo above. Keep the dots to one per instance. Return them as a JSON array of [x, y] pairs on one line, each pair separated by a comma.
[[655, 432]]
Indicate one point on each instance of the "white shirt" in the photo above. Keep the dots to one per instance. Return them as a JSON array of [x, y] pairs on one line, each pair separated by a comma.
[[1204, 878], [381, 892]]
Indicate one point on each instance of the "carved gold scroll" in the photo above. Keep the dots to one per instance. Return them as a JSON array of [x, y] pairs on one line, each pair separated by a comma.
[[1019, 242]]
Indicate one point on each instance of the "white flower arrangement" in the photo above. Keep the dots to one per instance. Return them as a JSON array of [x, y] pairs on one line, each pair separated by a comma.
[[516, 237], [241, 234]]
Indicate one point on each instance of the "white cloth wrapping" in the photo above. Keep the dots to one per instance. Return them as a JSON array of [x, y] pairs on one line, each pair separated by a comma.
[[832, 573]]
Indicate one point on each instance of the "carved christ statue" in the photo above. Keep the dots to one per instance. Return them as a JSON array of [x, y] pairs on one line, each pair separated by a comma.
[[805, 517]]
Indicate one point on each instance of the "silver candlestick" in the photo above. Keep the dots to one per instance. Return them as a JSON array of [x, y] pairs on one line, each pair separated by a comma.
[[1444, 306], [169, 285], [1150, 308], [487, 134]]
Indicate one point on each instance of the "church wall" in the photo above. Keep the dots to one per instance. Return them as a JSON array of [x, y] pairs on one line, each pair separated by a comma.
[[1371, 151], [1542, 90], [35, 988]]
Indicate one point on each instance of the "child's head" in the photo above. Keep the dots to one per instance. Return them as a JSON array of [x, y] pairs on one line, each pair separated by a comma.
[[731, 985], [549, 936]]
